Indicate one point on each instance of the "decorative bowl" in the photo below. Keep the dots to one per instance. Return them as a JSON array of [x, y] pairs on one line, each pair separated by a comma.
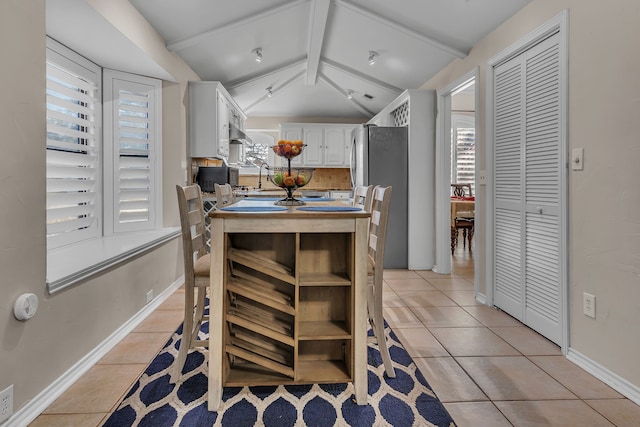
[[288, 149], [290, 178]]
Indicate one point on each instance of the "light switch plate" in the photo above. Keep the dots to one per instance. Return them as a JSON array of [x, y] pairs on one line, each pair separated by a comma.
[[482, 177], [577, 159]]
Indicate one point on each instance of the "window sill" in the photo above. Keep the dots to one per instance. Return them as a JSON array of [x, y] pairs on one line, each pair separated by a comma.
[[72, 264]]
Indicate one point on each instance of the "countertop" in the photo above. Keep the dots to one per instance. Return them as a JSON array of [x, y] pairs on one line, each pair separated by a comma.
[[274, 192]]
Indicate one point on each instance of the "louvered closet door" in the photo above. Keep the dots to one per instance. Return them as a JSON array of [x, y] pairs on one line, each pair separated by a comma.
[[527, 191]]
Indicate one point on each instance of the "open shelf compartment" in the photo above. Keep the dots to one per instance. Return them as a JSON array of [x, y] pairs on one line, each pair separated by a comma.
[[325, 260], [327, 361]]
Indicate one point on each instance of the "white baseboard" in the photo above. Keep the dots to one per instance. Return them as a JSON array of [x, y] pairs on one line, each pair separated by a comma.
[[619, 384], [46, 397]]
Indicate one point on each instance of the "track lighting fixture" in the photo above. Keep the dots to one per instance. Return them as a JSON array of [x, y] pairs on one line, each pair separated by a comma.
[[372, 57], [269, 92], [258, 54], [350, 94]]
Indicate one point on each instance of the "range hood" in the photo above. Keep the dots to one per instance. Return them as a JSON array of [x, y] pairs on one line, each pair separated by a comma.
[[237, 136]]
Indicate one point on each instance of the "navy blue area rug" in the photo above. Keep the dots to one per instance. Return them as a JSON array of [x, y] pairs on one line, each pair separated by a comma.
[[406, 400]]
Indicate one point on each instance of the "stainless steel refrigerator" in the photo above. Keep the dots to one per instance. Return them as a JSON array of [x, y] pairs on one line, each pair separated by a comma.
[[380, 156]]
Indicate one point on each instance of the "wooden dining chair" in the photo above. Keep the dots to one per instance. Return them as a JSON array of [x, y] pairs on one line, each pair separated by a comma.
[[196, 272], [461, 190], [362, 197], [224, 195], [380, 203], [462, 218]]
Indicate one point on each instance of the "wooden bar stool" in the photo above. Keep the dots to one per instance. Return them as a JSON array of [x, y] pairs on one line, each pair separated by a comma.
[[381, 200], [196, 272]]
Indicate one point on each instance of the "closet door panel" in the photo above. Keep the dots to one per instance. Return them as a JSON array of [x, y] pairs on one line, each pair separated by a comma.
[[508, 201], [542, 183], [527, 188]]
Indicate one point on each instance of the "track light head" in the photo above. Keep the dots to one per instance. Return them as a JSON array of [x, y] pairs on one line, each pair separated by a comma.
[[257, 52], [269, 92], [372, 57]]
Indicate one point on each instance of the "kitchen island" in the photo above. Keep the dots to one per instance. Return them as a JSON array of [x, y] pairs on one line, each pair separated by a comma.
[[288, 297]]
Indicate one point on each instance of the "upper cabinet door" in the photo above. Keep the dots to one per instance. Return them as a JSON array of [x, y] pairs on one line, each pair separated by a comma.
[[223, 126], [334, 143], [313, 152], [326, 145]]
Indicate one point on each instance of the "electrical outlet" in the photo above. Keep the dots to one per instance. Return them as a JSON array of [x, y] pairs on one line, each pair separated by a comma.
[[149, 296], [6, 403], [589, 305]]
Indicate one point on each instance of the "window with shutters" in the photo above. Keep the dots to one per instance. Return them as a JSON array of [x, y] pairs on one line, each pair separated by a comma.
[[103, 150], [74, 117], [463, 150], [132, 151]]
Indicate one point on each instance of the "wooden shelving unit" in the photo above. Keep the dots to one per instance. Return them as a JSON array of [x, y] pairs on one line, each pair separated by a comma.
[[288, 308], [288, 300]]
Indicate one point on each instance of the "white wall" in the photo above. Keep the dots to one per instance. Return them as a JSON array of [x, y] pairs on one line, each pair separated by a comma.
[[69, 324], [604, 199]]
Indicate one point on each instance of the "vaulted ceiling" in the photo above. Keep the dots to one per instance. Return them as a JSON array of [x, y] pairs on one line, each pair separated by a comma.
[[316, 52]]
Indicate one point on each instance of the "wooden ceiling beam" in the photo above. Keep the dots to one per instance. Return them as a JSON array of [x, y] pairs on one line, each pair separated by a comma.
[[317, 27], [274, 90], [360, 76], [251, 79], [327, 81]]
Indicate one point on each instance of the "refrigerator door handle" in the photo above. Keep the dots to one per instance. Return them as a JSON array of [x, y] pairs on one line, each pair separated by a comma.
[[353, 163]]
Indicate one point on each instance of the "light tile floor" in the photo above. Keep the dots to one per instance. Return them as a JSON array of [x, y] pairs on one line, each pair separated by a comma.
[[486, 367]]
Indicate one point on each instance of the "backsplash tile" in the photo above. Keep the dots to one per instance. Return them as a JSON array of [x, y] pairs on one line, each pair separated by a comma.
[[323, 179]]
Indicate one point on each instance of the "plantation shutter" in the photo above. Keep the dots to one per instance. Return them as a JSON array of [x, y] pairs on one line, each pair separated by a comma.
[[132, 150], [73, 150], [464, 151], [527, 188]]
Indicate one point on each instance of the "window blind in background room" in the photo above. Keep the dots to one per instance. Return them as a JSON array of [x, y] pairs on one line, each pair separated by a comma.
[[463, 151]]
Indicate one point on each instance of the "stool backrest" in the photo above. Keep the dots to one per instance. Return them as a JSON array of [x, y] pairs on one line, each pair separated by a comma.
[[224, 195], [362, 197]]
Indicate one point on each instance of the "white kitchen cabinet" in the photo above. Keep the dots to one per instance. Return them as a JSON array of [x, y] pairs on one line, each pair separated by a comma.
[[313, 154], [327, 144], [341, 195], [336, 144], [223, 125], [210, 111]]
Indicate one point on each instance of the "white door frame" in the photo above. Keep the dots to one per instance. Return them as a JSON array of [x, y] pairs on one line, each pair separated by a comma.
[[443, 172], [557, 24]]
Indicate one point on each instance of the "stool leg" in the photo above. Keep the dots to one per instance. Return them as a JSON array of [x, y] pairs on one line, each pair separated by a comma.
[[187, 333]]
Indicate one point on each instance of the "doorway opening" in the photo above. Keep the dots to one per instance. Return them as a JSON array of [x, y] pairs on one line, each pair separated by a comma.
[[456, 164], [463, 178]]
